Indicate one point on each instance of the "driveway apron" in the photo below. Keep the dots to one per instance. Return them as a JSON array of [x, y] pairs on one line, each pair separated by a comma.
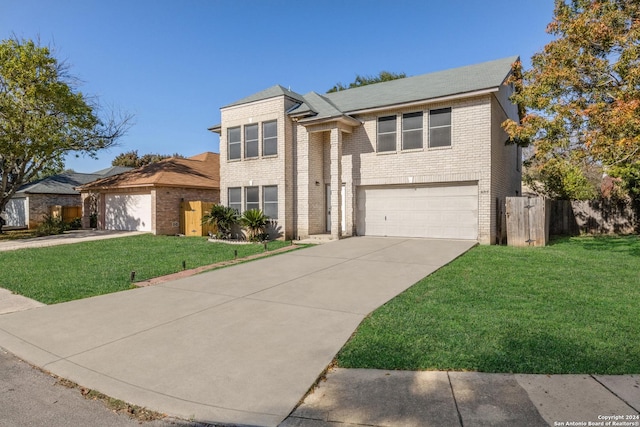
[[238, 345]]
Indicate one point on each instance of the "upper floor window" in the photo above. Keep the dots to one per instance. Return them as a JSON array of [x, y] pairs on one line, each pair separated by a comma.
[[251, 141], [252, 198], [411, 131], [234, 143], [270, 138], [440, 127], [235, 201], [270, 201], [387, 133]]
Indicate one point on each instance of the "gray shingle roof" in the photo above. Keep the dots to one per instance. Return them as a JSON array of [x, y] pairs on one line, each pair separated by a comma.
[[423, 87], [271, 92], [455, 81], [65, 183]]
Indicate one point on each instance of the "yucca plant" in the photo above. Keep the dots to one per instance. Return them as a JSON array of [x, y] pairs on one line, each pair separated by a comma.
[[255, 221], [223, 217]]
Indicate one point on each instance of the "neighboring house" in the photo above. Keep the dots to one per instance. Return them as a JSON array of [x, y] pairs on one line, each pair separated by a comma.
[[422, 156], [149, 198], [30, 204]]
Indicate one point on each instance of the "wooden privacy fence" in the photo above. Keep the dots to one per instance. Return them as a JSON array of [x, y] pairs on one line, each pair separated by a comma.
[[529, 221], [599, 216], [67, 213], [191, 214]]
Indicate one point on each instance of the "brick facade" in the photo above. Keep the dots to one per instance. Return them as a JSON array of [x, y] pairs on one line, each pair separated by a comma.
[[40, 205], [334, 152], [165, 205]]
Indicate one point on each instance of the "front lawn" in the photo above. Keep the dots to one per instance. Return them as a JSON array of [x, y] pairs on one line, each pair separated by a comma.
[[571, 307], [67, 272]]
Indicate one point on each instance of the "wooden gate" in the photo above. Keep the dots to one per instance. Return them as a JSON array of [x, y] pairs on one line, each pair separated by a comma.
[[67, 213], [191, 214], [527, 221]]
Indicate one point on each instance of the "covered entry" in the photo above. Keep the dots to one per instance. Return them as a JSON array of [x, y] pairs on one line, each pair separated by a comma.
[[437, 211]]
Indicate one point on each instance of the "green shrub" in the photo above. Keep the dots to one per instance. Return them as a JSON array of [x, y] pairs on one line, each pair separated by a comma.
[[255, 221], [51, 226]]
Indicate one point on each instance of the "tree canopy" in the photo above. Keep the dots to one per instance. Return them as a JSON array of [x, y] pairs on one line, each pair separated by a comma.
[[133, 160], [43, 117], [383, 76], [580, 101]]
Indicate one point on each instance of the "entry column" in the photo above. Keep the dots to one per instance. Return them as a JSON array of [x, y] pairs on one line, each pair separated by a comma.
[[336, 183]]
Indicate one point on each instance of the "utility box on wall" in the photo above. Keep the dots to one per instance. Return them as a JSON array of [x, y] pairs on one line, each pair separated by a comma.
[[191, 214]]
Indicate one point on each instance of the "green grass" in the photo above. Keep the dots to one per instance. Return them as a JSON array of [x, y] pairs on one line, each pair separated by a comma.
[[571, 307], [67, 272], [17, 234]]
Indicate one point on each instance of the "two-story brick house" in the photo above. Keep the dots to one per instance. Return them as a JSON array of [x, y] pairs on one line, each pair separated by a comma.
[[423, 156]]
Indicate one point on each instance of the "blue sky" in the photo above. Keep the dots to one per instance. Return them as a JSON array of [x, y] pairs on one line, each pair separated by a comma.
[[173, 64]]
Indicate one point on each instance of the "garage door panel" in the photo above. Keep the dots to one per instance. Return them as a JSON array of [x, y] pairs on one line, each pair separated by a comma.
[[128, 212], [447, 211]]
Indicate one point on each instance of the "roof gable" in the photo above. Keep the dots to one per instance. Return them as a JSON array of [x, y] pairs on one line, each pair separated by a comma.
[[272, 92]]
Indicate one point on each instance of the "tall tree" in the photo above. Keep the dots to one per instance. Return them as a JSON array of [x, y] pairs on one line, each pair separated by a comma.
[[383, 76], [581, 98], [43, 117], [133, 160]]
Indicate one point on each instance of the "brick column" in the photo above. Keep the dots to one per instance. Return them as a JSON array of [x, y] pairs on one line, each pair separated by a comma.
[[336, 183]]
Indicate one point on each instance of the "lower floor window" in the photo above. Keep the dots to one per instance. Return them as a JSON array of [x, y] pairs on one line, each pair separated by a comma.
[[270, 201], [252, 198], [235, 201]]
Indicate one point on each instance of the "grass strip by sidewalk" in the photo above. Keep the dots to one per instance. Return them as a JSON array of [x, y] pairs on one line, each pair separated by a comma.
[[67, 272], [572, 307]]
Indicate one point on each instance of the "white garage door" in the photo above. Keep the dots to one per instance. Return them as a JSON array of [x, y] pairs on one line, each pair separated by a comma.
[[128, 212], [443, 211], [15, 213]]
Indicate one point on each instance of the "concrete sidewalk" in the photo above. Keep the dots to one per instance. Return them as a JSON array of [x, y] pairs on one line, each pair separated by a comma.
[[239, 345], [356, 397]]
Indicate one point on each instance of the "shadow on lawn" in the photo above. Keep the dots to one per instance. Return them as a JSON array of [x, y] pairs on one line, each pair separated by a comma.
[[629, 244], [544, 353]]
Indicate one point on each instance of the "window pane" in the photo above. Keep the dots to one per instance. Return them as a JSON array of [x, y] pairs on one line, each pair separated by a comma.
[[270, 147], [387, 142], [441, 117], [233, 139], [234, 135], [270, 201], [251, 149], [440, 137], [412, 131], [252, 200], [234, 151], [270, 138], [412, 121], [387, 124], [270, 129], [412, 139], [271, 194], [251, 132], [234, 198]]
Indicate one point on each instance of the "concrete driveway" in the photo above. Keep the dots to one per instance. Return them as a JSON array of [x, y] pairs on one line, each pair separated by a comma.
[[238, 345]]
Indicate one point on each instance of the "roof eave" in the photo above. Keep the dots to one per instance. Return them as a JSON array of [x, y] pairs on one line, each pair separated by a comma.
[[426, 100], [344, 119]]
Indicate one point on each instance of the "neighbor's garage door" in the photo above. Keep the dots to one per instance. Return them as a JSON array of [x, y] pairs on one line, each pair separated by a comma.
[[128, 212], [444, 211]]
